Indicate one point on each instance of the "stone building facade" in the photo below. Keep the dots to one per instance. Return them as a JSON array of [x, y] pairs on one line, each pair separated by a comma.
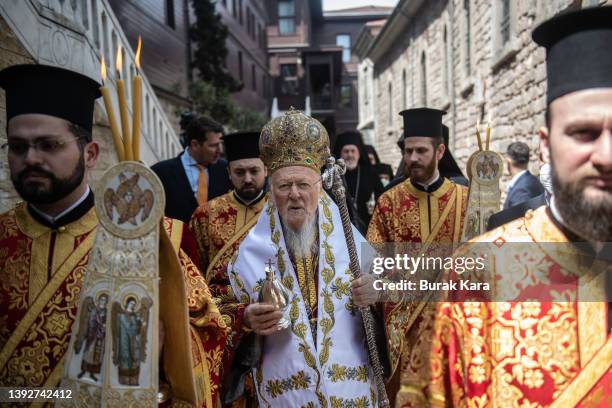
[[365, 79], [311, 60], [473, 58]]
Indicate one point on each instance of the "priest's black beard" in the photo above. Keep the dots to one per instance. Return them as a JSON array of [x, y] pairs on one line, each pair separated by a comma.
[[591, 220], [36, 193], [248, 193]]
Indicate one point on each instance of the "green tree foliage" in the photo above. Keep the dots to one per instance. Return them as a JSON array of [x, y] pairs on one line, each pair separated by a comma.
[[209, 35], [211, 95], [211, 101], [246, 119]]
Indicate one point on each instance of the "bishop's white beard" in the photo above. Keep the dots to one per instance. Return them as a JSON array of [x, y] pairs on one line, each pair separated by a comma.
[[300, 243]]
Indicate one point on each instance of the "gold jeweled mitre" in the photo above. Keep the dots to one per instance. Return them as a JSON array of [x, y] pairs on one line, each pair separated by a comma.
[[294, 139]]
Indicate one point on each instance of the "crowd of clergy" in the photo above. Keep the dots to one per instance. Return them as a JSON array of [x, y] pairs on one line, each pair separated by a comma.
[[250, 203]]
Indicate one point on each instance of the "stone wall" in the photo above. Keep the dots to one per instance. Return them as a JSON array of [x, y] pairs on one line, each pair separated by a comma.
[[12, 53], [508, 83]]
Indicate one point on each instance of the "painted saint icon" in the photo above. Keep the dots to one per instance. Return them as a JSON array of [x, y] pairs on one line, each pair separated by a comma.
[[91, 335], [129, 324]]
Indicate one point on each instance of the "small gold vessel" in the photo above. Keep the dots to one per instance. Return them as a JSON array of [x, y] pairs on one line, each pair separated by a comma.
[[273, 292]]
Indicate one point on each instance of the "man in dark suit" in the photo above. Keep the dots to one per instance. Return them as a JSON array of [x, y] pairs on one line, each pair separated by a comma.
[[523, 184], [519, 210], [197, 174]]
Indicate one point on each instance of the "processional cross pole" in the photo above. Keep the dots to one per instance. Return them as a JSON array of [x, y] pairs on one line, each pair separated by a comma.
[[332, 180]]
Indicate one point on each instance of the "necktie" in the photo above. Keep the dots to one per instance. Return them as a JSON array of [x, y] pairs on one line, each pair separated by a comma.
[[202, 194]]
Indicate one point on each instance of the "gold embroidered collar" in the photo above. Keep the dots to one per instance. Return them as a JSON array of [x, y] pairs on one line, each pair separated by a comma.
[[34, 229], [443, 189]]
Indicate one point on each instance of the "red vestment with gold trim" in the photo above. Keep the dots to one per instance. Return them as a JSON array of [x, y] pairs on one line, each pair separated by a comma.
[[41, 273], [406, 214], [540, 353]]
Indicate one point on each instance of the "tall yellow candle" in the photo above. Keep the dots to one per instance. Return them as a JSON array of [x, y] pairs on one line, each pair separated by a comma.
[[478, 135], [136, 92], [123, 112], [488, 133], [136, 105], [125, 126], [110, 113]]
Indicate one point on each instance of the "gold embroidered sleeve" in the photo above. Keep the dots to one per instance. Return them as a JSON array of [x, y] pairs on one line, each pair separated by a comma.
[[199, 228], [209, 328], [381, 224]]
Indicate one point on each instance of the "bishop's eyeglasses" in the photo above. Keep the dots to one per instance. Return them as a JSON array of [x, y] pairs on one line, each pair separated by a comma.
[[303, 186]]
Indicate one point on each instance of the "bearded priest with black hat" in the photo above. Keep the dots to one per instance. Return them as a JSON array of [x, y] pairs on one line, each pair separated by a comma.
[[426, 208], [554, 349], [424, 192], [221, 221], [46, 240], [364, 185]]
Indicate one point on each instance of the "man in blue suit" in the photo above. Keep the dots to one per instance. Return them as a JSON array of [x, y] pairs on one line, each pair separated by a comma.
[[198, 174], [523, 185]]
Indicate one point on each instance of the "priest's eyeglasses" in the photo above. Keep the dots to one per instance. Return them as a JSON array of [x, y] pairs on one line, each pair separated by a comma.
[[303, 186], [43, 145]]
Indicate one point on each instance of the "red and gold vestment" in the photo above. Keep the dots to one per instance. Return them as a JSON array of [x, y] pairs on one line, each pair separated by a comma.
[[41, 273], [539, 353], [406, 214]]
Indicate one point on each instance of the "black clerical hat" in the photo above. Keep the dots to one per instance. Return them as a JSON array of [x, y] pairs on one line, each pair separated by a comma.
[[423, 122], [448, 165], [241, 145], [50, 91], [349, 137], [578, 50], [384, 168], [352, 137], [445, 134]]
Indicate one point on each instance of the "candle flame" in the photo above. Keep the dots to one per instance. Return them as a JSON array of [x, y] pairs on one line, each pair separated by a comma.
[[489, 121], [477, 123], [138, 52], [119, 60], [103, 70]]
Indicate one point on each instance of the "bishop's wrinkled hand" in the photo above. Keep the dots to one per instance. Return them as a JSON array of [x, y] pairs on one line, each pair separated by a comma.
[[262, 318], [364, 293]]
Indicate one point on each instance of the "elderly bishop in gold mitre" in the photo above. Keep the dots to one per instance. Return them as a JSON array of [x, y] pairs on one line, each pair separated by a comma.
[[313, 352]]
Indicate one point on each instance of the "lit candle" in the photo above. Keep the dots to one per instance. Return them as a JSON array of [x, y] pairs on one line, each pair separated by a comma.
[[478, 135], [125, 125], [136, 92], [110, 112], [488, 132]]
